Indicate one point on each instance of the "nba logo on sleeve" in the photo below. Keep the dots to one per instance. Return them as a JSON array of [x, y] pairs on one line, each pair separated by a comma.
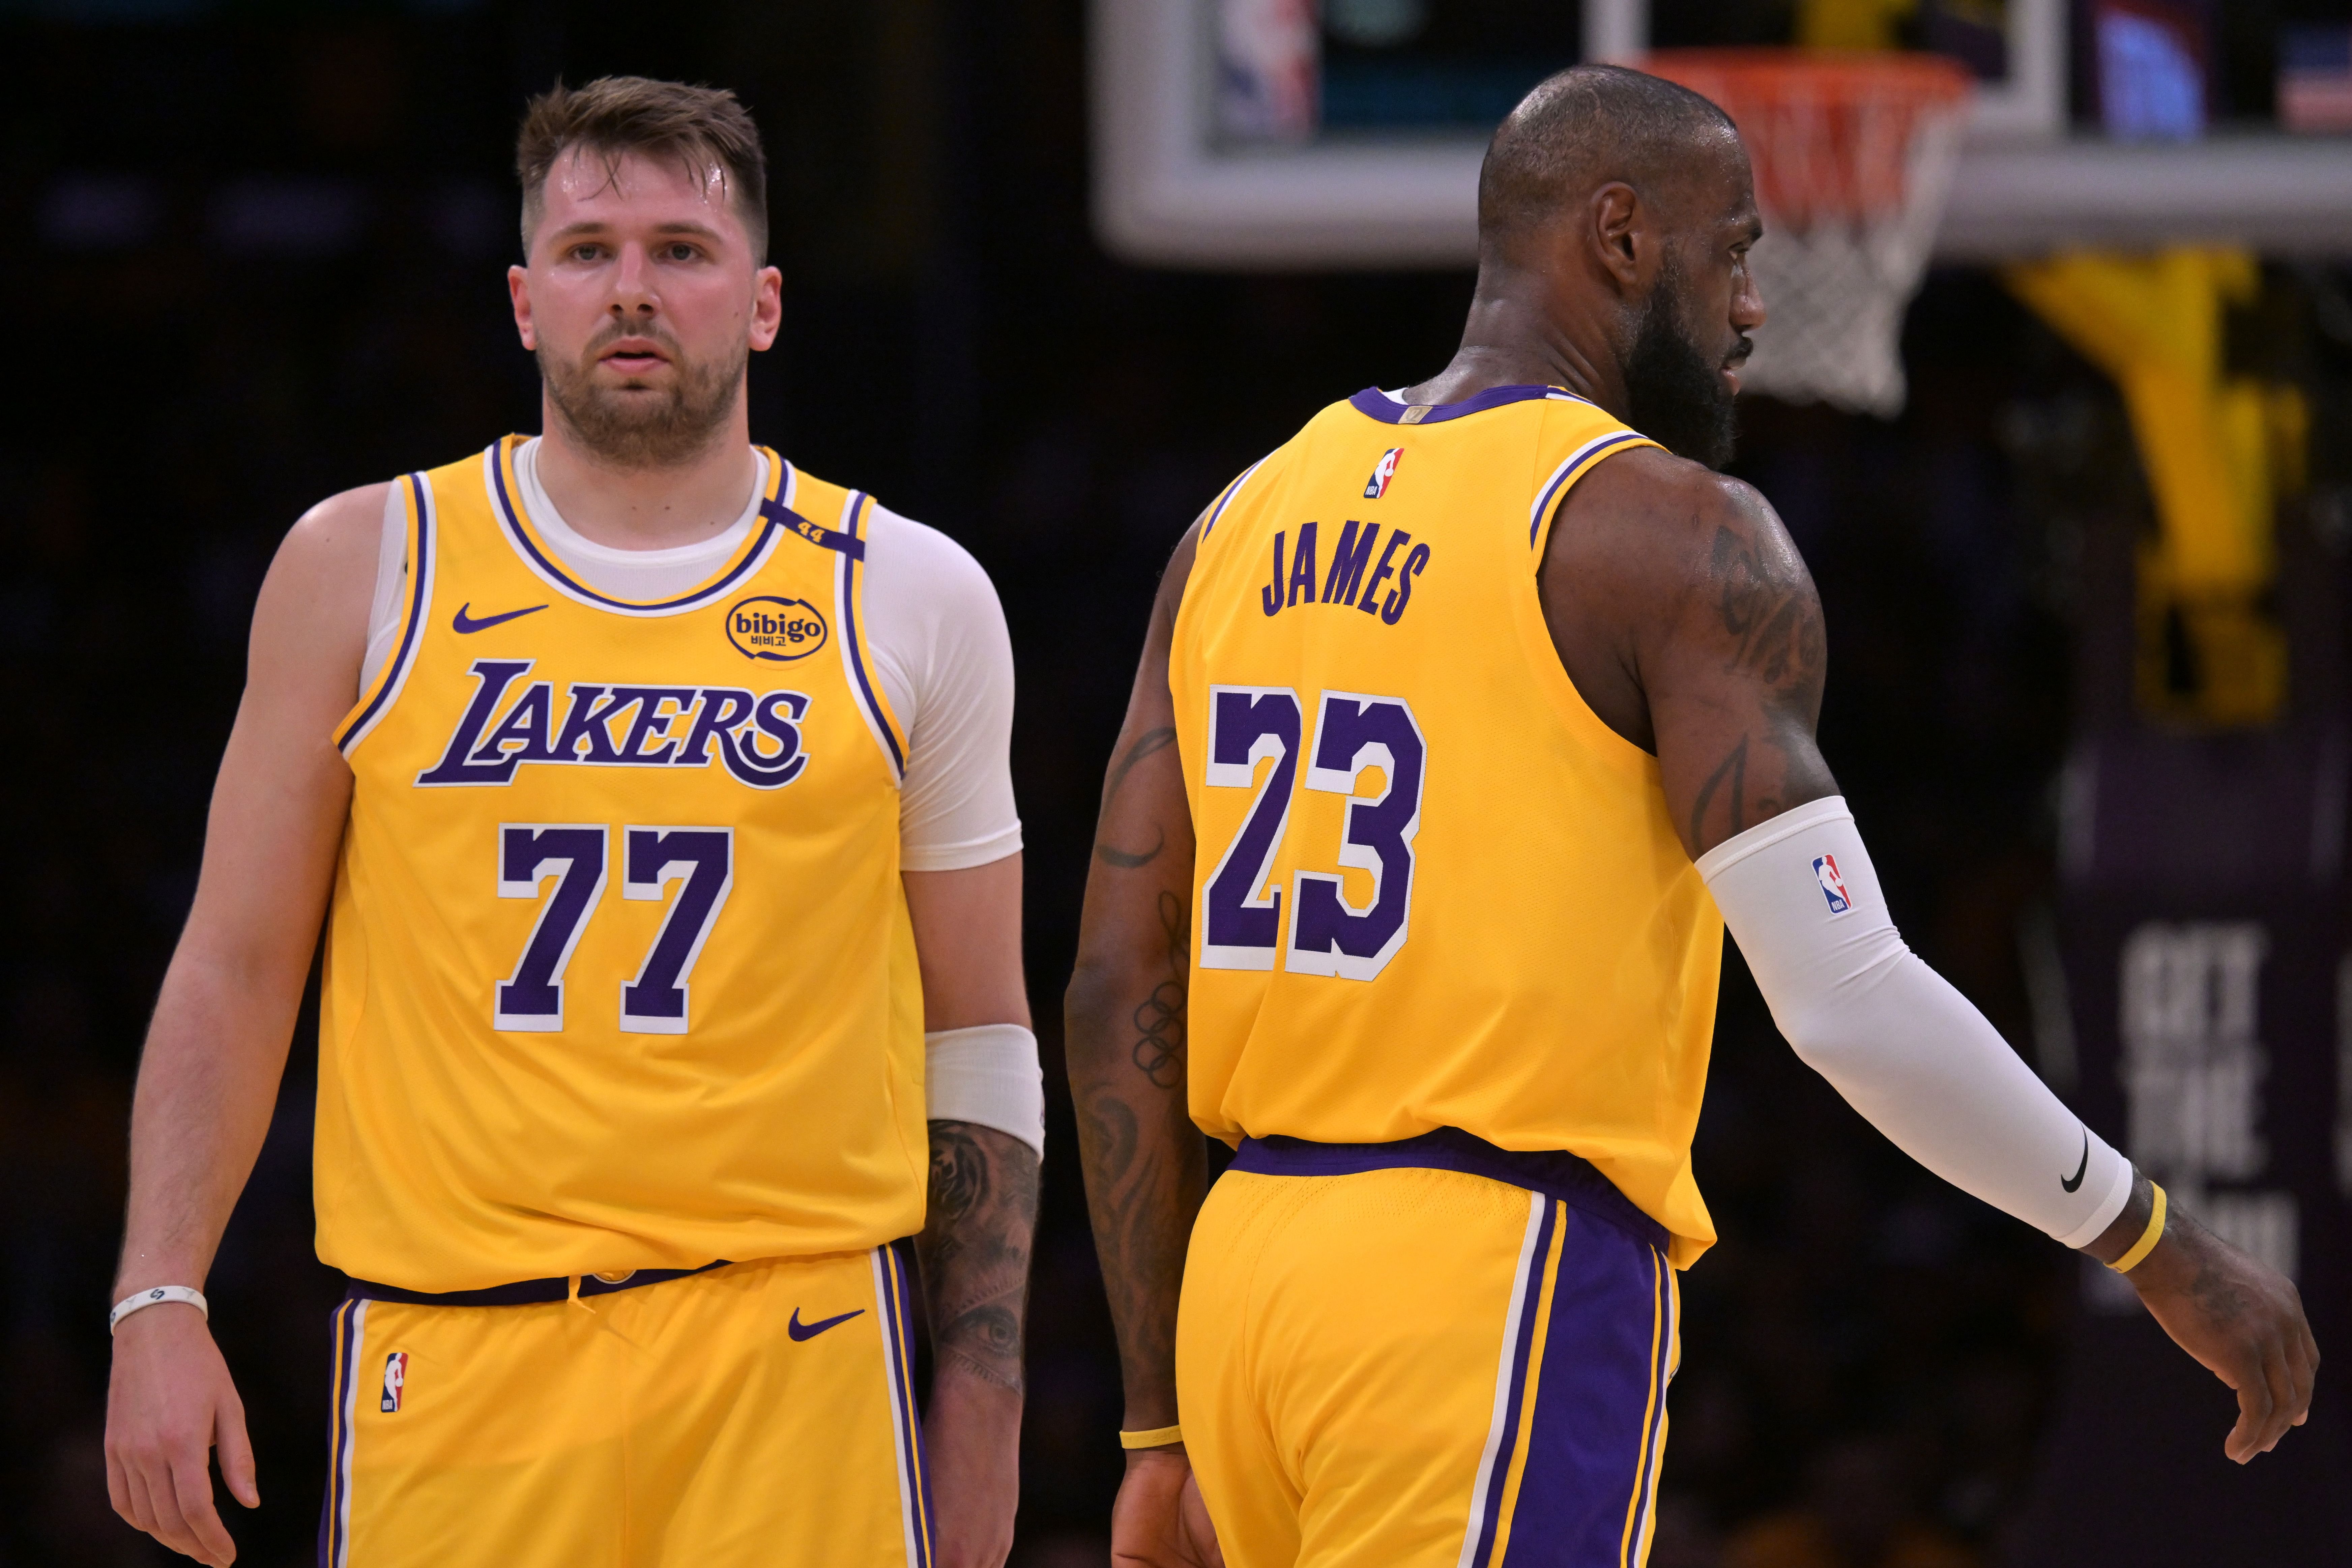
[[395, 1380], [1832, 885], [1382, 472]]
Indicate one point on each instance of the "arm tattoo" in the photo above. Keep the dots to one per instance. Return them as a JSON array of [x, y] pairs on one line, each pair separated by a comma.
[[975, 1249], [1146, 744], [1158, 1052], [1734, 771], [1774, 623]]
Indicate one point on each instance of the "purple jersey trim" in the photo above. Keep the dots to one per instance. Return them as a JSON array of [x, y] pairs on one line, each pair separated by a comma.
[[855, 509], [522, 1293], [752, 560], [420, 583], [1380, 406], [1572, 470], [1555, 1173]]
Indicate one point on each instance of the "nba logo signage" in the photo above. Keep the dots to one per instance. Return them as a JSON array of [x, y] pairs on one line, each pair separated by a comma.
[[395, 1380], [1382, 472], [1832, 885]]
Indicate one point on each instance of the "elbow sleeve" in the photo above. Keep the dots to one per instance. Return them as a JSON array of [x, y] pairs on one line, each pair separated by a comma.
[[1894, 1038]]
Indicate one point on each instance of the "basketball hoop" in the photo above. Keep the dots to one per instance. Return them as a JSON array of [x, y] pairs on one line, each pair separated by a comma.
[[1853, 153]]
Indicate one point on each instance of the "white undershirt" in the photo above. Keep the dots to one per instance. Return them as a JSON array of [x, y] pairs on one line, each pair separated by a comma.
[[933, 628]]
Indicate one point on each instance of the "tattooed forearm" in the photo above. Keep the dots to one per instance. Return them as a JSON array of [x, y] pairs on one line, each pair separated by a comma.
[[1158, 1052], [1145, 1179], [1149, 741], [975, 1249]]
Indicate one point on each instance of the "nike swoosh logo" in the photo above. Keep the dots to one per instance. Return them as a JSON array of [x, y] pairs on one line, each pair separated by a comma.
[[2078, 1181], [465, 623], [799, 1330]]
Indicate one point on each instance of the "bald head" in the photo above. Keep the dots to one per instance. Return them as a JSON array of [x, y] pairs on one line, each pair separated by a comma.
[[1585, 128]]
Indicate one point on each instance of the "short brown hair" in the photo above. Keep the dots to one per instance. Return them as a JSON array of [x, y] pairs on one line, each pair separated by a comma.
[[615, 115]]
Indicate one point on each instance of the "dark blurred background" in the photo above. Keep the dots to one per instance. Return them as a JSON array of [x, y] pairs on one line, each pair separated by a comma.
[[257, 254]]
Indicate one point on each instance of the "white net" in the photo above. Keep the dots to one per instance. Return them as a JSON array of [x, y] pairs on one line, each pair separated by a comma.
[[1854, 157]]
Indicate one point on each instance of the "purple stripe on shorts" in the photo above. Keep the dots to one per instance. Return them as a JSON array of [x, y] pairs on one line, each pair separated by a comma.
[[901, 1350], [331, 1511], [1500, 1470], [1588, 1441]]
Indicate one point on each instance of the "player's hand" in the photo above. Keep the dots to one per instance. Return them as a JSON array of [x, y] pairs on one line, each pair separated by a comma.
[[169, 1403], [1159, 1520], [2243, 1320]]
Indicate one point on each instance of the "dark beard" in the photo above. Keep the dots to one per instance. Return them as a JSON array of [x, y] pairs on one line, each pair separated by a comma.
[[1676, 399], [636, 429]]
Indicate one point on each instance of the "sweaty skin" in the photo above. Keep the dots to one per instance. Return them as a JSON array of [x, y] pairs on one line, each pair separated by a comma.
[[1683, 612], [641, 279]]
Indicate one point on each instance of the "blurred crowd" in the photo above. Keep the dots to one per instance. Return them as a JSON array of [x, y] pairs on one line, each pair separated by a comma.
[[259, 259]]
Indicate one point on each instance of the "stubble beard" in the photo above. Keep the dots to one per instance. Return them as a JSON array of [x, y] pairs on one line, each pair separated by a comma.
[[1675, 395], [642, 426]]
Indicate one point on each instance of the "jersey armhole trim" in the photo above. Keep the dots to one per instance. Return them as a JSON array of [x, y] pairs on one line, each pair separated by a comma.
[[422, 558], [1602, 743], [1579, 463], [848, 585], [1227, 499]]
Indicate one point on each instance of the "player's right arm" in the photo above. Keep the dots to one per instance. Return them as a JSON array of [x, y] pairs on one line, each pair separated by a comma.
[[216, 1045], [1145, 1162], [1686, 618]]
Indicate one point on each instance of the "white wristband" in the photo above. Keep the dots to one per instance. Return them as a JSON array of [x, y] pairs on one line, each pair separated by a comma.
[[986, 1075], [156, 1298]]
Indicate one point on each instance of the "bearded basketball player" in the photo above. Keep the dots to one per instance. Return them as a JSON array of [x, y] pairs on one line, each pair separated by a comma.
[[655, 796], [1461, 717]]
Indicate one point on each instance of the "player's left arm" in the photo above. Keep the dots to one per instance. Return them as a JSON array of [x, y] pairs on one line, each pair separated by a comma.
[[975, 1242]]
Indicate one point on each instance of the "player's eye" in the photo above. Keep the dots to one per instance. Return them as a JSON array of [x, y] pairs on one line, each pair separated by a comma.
[[681, 251], [586, 252]]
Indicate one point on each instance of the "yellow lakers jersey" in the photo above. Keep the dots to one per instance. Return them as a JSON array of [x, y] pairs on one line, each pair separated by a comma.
[[619, 973], [1432, 888]]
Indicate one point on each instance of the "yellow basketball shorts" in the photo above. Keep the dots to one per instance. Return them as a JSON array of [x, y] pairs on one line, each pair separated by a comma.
[[1414, 1367], [753, 1415]]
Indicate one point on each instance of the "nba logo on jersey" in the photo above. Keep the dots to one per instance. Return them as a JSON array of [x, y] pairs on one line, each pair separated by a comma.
[[1832, 885], [395, 1379], [1382, 472]]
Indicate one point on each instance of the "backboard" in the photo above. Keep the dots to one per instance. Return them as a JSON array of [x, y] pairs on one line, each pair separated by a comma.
[[1183, 179]]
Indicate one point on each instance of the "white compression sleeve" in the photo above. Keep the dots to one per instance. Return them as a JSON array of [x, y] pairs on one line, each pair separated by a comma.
[[1893, 1036], [987, 1075]]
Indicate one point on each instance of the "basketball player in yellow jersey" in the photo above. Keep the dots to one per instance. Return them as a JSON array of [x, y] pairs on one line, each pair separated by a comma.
[[1460, 717], [655, 792]]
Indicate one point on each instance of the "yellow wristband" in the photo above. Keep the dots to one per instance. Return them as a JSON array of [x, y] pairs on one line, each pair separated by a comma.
[[1154, 1438], [2148, 1238]]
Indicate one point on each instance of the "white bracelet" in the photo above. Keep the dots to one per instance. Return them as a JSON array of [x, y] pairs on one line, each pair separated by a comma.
[[156, 1298]]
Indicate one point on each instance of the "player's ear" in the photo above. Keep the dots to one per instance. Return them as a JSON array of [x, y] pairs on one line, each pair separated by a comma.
[[767, 308], [1619, 232], [518, 295]]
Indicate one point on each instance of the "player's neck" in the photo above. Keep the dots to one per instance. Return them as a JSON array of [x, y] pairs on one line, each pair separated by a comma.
[[1517, 334], [648, 509]]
